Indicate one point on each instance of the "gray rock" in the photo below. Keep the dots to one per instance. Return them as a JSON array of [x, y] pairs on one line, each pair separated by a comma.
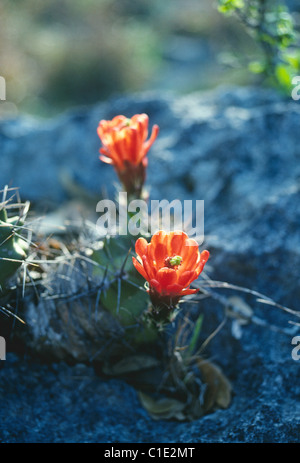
[[238, 150], [60, 403]]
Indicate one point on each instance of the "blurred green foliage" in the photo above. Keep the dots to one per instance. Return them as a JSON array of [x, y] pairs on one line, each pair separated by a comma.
[[272, 26], [60, 53]]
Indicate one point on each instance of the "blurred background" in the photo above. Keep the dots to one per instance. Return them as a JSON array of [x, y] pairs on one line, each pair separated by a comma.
[[55, 54]]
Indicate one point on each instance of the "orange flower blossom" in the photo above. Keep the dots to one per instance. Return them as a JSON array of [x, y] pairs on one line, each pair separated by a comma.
[[170, 263], [125, 146]]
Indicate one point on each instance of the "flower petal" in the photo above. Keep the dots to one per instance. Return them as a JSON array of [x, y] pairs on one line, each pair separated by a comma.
[[160, 254], [191, 260], [187, 291], [174, 290], [141, 246], [186, 278], [157, 240], [148, 268], [159, 237], [203, 259], [176, 241], [166, 276], [105, 159], [155, 284], [189, 248], [204, 256], [149, 143], [139, 268]]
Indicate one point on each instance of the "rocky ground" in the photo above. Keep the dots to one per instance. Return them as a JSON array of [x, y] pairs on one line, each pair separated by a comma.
[[238, 150]]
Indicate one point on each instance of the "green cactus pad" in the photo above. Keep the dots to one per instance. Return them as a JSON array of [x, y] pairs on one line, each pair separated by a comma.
[[124, 295], [12, 248]]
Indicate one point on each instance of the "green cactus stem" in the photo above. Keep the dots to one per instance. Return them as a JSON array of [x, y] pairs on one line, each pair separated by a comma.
[[12, 248], [124, 295]]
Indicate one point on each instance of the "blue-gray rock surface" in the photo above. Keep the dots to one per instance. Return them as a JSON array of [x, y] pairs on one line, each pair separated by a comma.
[[238, 149]]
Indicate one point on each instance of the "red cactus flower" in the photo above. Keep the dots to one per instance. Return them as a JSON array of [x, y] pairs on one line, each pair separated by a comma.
[[125, 145], [170, 263]]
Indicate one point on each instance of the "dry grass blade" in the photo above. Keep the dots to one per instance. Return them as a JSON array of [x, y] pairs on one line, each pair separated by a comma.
[[210, 337], [8, 313], [260, 297]]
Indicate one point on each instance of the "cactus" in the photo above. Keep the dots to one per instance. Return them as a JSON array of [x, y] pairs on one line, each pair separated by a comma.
[[124, 295], [91, 301], [12, 247]]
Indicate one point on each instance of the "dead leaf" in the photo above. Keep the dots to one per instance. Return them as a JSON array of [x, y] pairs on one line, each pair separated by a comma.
[[218, 388], [163, 408], [130, 364]]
